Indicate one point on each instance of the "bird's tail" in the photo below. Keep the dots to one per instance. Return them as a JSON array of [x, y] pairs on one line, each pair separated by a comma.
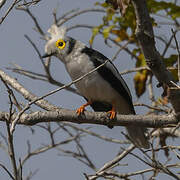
[[137, 135]]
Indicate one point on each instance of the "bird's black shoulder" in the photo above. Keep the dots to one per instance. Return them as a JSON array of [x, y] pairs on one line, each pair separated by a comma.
[[94, 54], [96, 57], [109, 73]]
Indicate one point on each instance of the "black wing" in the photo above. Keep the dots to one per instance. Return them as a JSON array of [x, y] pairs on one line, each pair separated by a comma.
[[110, 74]]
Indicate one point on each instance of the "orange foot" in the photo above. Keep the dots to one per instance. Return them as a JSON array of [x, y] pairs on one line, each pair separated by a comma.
[[81, 109], [112, 116], [112, 113]]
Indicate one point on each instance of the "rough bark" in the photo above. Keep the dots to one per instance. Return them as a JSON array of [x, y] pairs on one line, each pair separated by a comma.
[[93, 118], [145, 36]]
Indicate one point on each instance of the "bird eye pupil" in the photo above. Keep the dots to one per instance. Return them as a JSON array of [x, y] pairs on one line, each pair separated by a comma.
[[60, 43]]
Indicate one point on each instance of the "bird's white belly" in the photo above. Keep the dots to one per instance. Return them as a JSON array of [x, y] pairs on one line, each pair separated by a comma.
[[94, 87]]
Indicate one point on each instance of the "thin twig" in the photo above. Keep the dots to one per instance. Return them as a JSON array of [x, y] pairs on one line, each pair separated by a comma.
[[33, 2], [15, 102], [36, 49], [151, 107], [81, 155], [43, 149], [38, 27], [67, 13], [11, 176], [113, 162], [178, 51], [95, 134], [20, 169], [44, 104], [10, 142], [175, 84], [119, 50], [65, 19], [2, 2], [167, 46], [124, 176], [8, 11]]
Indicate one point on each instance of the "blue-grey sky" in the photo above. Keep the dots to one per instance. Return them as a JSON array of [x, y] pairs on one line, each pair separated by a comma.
[[16, 49]]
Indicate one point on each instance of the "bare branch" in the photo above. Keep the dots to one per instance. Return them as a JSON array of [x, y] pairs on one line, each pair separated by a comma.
[[8, 11], [95, 134], [111, 164], [151, 107], [100, 118], [61, 21], [38, 27], [10, 142], [43, 149], [178, 51], [25, 93], [10, 175], [139, 172], [2, 2], [33, 2], [11, 93], [145, 35]]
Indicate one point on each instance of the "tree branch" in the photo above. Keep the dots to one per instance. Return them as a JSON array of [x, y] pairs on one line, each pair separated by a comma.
[[25, 93], [111, 163], [100, 118], [145, 35]]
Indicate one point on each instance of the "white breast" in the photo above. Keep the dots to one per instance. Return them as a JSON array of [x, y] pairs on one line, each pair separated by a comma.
[[93, 86]]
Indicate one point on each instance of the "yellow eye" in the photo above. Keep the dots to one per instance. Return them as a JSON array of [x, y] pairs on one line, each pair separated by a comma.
[[60, 44]]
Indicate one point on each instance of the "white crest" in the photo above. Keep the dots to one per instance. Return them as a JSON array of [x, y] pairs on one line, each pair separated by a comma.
[[56, 31]]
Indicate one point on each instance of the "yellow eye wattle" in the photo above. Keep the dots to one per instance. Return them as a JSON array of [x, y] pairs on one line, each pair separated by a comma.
[[60, 44]]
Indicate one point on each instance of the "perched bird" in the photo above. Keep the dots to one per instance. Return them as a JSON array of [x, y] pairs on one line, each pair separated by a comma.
[[104, 89]]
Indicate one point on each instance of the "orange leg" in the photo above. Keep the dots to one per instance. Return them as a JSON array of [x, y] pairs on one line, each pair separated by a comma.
[[112, 113], [81, 109]]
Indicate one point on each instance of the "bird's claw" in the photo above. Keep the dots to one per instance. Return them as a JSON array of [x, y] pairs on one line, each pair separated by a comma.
[[80, 110], [112, 114]]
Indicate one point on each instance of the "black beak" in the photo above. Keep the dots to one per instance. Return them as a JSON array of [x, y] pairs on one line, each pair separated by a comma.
[[47, 55]]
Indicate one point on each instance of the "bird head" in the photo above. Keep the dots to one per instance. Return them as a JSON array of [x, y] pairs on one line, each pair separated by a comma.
[[58, 44]]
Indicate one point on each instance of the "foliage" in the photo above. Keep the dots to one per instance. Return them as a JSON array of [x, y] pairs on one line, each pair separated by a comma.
[[122, 29]]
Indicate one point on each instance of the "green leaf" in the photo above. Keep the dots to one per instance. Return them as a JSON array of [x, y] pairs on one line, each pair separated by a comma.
[[175, 74], [136, 51], [95, 31], [121, 35], [110, 14], [107, 30], [173, 10], [140, 77], [171, 60], [140, 82], [141, 61], [104, 5]]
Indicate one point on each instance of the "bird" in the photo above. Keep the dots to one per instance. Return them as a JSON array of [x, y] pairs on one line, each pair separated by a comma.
[[104, 89]]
